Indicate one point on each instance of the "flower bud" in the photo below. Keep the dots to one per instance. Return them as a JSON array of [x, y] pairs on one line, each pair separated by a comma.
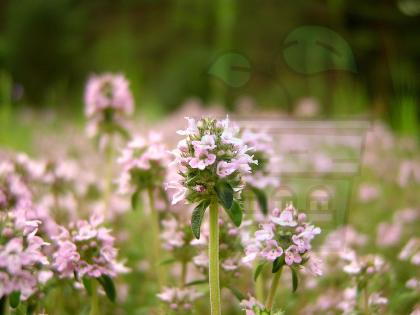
[[276, 212], [7, 232], [302, 217]]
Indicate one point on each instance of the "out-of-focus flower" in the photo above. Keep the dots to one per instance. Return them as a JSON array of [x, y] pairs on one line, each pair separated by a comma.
[[411, 251], [108, 100], [179, 300], [87, 249], [20, 253], [287, 233], [388, 234], [368, 192], [144, 164]]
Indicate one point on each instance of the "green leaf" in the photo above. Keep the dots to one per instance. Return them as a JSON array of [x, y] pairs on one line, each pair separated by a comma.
[[166, 262], [259, 269], [231, 68], [197, 217], [195, 282], [76, 275], [235, 213], [31, 307], [295, 279], [261, 198], [225, 193], [315, 49], [236, 293], [278, 264], [87, 283], [14, 299], [134, 200], [109, 287]]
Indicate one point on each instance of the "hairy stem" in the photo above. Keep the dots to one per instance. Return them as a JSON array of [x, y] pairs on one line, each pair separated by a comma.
[[156, 233], [273, 290], [214, 259], [94, 309]]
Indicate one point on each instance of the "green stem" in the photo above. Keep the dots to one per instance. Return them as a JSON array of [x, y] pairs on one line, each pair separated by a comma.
[[109, 171], [214, 259], [259, 289], [60, 297], [4, 305], [366, 300], [94, 309], [183, 274], [156, 234], [273, 290]]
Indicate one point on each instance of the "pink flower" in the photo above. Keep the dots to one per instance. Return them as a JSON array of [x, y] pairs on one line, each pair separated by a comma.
[[302, 243], [266, 233], [272, 251], [292, 255], [192, 128], [182, 190], [313, 266], [225, 169], [252, 252], [207, 143], [202, 159], [285, 219]]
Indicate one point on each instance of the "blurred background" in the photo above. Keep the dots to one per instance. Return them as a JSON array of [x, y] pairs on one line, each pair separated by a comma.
[[48, 49]]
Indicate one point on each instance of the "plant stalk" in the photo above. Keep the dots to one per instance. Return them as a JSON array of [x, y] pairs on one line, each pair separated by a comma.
[[272, 294], [366, 300], [156, 233], [214, 259], [109, 172], [94, 309], [183, 274], [4, 305]]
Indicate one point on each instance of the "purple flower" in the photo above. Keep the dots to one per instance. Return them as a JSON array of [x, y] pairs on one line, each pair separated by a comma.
[[302, 243], [285, 219], [292, 255], [207, 143], [272, 251], [266, 233], [202, 159], [225, 169]]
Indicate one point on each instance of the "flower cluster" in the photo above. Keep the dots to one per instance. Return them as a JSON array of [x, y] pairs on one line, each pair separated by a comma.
[[210, 153], [255, 307], [264, 154], [108, 100], [231, 239], [13, 191], [179, 300], [286, 236], [87, 249], [144, 164], [20, 253], [362, 267]]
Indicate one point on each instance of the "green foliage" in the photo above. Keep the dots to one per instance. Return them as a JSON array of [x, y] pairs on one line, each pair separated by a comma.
[[197, 217]]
